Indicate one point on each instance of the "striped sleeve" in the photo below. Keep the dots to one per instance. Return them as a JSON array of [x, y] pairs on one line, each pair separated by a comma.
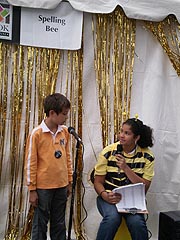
[[101, 166], [149, 165]]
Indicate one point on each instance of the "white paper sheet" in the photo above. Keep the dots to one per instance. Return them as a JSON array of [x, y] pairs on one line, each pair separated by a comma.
[[133, 198]]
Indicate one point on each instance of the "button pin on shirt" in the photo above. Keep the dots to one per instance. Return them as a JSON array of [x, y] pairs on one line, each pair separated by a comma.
[[58, 154]]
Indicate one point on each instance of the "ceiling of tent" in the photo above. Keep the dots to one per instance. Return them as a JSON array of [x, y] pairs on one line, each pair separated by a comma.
[[151, 10]]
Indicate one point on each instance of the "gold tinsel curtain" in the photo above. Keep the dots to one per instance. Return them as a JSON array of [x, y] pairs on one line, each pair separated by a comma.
[[27, 75], [114, 44], [167, 33]]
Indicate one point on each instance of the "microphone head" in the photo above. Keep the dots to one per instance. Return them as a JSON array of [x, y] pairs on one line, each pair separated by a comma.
[[119, 149], [71, 129]]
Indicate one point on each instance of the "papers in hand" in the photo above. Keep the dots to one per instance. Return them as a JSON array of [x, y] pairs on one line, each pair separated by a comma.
[[133, 198]]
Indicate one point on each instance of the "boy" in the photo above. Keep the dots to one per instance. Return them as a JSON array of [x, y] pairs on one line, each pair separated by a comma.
[[49, 169]]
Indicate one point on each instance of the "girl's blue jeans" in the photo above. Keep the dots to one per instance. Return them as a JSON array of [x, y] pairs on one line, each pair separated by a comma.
[[112, 220]]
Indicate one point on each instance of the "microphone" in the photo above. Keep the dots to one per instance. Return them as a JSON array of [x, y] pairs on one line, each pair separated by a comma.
[[71, 130], [119, 149]]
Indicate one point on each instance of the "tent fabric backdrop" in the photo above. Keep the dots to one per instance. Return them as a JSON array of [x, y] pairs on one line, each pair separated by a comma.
[[142, 9], [155, 98]]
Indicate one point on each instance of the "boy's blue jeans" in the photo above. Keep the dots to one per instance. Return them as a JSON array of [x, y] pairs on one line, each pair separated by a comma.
[[112, 220], [51, 206]]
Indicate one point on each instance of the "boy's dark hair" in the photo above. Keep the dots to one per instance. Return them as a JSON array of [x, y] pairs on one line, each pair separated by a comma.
[[56, 102], [145, 132]]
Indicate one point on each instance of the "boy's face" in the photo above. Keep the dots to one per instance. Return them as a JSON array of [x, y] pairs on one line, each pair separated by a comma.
[[59, 119]]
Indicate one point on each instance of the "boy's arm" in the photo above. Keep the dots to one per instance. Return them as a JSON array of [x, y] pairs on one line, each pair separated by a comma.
[[31, 162]]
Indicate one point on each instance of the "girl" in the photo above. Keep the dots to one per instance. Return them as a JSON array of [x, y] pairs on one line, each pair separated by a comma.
[[135, 164]]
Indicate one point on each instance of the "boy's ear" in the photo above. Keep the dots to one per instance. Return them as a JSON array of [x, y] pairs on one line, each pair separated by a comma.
[[51, 112]]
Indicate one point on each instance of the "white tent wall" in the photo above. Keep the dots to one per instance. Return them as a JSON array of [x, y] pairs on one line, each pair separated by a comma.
[[155, 97], [142, 9]]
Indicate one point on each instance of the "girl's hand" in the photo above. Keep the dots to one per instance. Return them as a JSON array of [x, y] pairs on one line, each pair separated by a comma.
[[121, 162], [111, 197]]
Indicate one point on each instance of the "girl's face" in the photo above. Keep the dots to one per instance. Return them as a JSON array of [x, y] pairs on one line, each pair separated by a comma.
[[127, 137]]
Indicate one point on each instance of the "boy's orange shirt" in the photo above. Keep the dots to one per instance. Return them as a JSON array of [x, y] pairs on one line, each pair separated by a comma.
[[42, 169]]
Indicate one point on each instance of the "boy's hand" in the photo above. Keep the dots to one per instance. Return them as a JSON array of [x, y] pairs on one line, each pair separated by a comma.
[[33, 198], [69, 191]]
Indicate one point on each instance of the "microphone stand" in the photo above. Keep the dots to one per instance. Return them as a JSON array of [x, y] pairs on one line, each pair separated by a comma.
[[73, 191]]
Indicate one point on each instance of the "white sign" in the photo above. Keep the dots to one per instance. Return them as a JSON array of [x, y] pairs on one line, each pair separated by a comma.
[[6, 15], [59, 28]]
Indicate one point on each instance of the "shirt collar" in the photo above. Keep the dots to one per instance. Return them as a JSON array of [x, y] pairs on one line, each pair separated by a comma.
[[46, 129]]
